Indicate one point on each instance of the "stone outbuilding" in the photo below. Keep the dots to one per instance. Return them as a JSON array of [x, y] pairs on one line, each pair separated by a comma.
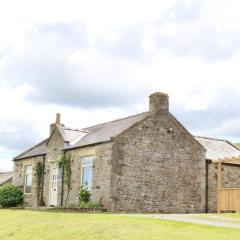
[[148, 162], [5, 178]]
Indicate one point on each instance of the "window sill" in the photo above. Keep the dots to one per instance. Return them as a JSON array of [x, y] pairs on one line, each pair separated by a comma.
[[28, 194]]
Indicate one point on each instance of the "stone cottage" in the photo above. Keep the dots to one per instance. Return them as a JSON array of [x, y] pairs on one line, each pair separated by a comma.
[[143, 163]]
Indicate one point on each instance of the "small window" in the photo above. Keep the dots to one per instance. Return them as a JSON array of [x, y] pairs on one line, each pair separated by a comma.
[[87, 163], [28, 179]]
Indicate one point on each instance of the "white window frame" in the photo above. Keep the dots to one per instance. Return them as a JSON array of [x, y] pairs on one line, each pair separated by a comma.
[[25, 178], [84, 166]]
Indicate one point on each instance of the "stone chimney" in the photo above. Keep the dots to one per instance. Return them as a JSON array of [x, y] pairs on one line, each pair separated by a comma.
[[159, 102], [58, 121], [58, 118]]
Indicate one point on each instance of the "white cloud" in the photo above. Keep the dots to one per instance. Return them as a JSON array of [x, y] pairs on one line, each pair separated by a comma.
[[70, 56]]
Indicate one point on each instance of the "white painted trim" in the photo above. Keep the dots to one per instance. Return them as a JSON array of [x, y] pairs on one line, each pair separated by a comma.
[[24, 188], [86, 165], [50, 181]]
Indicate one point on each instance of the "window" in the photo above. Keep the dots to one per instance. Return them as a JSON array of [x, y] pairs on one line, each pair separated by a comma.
[[87, 163], [28, 179]]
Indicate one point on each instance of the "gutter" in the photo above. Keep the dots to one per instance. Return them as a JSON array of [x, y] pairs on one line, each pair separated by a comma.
[[37, 155], [88, 145], [206, 186]]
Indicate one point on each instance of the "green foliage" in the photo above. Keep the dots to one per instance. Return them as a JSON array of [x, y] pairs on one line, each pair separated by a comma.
[[65, 163], [84, 199], [10, 196], [90, 205], [38, 172], [84, 194]]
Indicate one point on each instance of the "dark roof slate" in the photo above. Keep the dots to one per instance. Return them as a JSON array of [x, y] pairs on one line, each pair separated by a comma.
[[39, 149], [215, 148], [104, 132]]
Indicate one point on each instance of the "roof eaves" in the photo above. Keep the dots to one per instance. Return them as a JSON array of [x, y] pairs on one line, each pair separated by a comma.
[[35, 155], [88, 145], [229, 142]]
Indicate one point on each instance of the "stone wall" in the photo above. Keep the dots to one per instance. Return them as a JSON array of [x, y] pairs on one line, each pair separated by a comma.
[[100, 191], [158, 167], [19, 178], [54, 151], [230, 179]]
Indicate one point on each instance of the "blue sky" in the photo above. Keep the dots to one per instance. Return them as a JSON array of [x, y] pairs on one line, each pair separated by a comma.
[[95, 61]]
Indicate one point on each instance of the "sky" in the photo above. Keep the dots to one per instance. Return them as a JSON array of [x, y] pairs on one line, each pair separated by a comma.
[[95, 61]]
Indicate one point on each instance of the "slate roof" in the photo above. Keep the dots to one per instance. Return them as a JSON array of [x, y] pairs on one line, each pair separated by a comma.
[[5, 177], [73, 135], [39, 149], [218, 148], [105, 131], [81, 137]]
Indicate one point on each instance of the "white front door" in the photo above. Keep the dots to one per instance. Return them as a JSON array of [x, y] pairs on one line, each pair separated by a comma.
[[53, 185]]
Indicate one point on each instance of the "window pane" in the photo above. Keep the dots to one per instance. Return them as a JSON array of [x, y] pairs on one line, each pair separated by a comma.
[[28, 179], [28, 189], [87, 176], [87, 160], [29, 169]]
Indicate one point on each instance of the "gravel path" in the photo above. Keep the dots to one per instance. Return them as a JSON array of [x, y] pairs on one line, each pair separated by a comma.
[[212, 220]]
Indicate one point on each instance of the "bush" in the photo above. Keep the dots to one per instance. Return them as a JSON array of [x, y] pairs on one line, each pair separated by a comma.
[[89, 205], [10, 196], [84, 194]]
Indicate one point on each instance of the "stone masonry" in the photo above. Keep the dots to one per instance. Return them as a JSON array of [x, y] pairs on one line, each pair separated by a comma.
[[230, 179], [152, 165], [158, 167]]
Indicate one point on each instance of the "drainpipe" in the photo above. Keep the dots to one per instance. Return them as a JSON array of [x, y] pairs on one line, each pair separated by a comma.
[[43, 169], [206, 193], [62, 192]]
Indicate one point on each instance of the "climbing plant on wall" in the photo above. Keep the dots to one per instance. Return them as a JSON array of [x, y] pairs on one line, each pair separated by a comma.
[[65, 163], [38, 176]]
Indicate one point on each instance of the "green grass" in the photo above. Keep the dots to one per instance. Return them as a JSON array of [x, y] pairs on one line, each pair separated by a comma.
[[23, 224], [232, 215]]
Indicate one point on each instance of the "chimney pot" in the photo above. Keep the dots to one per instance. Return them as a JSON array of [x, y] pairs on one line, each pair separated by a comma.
[[58, 118], [159, 102]]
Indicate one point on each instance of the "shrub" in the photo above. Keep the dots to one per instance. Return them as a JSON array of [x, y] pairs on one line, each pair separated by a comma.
[[90, 205], [10, 196], [84, 194]]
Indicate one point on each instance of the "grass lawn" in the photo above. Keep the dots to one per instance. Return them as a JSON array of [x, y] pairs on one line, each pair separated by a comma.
[[232, 215], [23, 224]]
